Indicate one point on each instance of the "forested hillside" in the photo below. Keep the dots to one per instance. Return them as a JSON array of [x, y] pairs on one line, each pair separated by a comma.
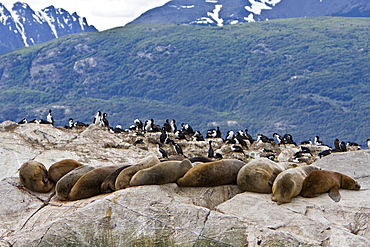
[[306, 76]]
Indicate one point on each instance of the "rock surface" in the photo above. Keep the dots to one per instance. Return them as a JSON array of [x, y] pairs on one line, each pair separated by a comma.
[[166, 215]]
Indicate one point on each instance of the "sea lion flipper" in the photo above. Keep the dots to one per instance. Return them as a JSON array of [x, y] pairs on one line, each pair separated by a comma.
[[271, 180], [334, 194]]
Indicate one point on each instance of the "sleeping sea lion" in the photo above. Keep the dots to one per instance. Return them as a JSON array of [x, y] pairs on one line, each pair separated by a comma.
[[90, 183], [210, 174], [322, 181], [162, 173], [258, 175], [34, 176], [289, 183], [61, 168], [65, 184]]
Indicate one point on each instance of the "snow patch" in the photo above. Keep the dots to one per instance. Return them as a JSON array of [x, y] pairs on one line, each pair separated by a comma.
[[215, 15], [187, 7], [257, 6], [211, 1], [249, 18], [50, 20]]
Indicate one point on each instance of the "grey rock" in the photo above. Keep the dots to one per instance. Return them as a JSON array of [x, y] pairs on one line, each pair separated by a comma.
[[167, 215]]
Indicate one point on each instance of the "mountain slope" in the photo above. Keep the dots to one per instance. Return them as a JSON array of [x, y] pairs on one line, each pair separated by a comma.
[[22, 26], [224, 12], [304, 76]]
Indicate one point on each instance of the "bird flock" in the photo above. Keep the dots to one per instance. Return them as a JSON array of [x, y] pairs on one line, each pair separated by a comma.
[[238, 142]]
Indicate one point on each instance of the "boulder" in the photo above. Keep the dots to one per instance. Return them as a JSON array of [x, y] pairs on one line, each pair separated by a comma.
[[167, 215]]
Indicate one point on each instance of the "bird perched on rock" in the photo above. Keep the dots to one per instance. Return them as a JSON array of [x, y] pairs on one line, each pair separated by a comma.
[[50, 118], [162, 151], [163, 137], [211, 152]]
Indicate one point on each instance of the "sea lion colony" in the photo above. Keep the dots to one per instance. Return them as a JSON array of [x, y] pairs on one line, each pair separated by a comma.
[[237, 159]]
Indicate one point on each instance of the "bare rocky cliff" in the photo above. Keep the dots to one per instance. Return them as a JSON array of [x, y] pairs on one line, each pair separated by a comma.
[[166, 215]]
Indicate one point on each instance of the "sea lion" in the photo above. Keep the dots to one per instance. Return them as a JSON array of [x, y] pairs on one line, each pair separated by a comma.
[[210, 174], [89, 184], [200, 159], [289, 183], [258, 175], [61, 168], [65, 184], [109, 183], [162, 173], [322, 181], [123, 179], [34, 176]]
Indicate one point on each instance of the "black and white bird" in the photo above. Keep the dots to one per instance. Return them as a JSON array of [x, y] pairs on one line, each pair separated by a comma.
[[167, 125], [307, 142], [70, 124], [187, 129], [162, 151], [177, 148], [230, 137], [163, 137], [180, 135], [336, 145], [263, 138], [278, 138], [240, 140], [148, 126], [104, 121], [116, 130], [198, 136], [317, 141], [343, 146], [173, 126], [23, 121], [324, 153], [237, 149], [97, 118], [211, 152], [214, 133], [288, 139], [138, 124], [50, 118], [249, 137], [139, 141]]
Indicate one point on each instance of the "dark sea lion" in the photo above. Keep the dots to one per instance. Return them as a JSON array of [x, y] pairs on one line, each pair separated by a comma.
[[123, 179], [322, 181], [258, 175], [289, 183], [200, 159], [162, 173], [210, 174], [109, 183], [34, 176], [61, 168], [89, 184], [65, 184]]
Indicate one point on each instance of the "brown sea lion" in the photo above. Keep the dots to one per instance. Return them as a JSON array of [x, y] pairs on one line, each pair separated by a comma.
[[89, 184], [258, 175], [34, 176], [109, 183], [210, 174], [123, 179], [322, 181], [65, 184], [289, 183], [61, 168], [162, 173]]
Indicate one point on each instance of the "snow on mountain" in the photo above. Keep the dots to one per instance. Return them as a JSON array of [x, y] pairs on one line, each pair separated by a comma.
[[22, 26], [225, 12]]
